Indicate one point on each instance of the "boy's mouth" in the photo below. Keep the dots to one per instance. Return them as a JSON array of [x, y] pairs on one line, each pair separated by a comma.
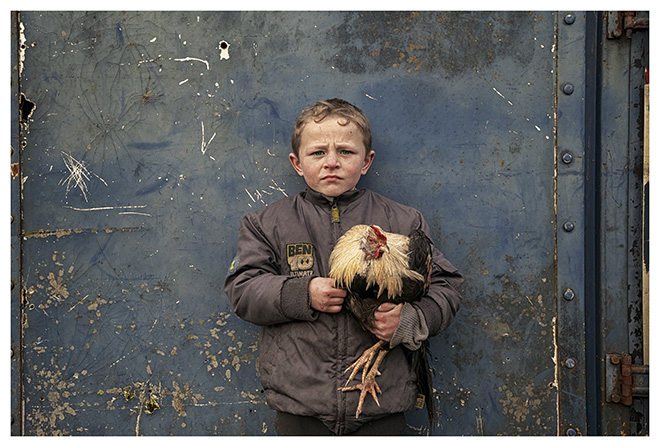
[[331, 178]]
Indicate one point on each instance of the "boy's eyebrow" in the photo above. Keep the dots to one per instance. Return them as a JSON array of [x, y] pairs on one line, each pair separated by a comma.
[[325, 145]]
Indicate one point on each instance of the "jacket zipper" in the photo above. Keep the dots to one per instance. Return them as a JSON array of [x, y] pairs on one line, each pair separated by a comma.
[[342, 331], [335, 213]]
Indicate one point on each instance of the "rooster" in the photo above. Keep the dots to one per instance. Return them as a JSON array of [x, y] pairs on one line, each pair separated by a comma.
[[377, 267]]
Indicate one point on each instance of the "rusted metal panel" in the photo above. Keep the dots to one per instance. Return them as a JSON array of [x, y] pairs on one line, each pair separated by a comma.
[[153, 133]]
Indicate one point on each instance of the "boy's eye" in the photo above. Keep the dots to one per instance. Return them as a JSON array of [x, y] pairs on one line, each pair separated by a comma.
[[316, 153], [345, 152]]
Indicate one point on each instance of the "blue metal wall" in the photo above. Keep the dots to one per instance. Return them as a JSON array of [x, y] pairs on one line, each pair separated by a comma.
[[146, 136]]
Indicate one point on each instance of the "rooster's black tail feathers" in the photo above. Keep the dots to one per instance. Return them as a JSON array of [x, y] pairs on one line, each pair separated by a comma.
[[421, 366]]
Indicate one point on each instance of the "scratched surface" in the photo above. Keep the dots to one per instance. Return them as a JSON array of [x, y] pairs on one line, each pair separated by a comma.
[[154, 133]]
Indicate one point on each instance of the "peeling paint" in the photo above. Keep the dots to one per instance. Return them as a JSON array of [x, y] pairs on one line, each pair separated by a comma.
[[54, 406], [42, 234], [223, 46], [125, 338]]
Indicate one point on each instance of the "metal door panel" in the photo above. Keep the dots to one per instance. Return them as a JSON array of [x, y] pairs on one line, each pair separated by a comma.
[[150, 139]]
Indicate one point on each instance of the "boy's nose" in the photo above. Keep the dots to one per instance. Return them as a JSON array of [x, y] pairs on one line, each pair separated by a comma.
[[331, 160]]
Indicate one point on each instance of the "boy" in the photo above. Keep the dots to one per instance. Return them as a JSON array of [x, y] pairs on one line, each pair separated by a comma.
[[278, 281]]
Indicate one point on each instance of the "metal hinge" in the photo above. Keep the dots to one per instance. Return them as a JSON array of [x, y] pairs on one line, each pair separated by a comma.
[[623, 380], [619, 22]]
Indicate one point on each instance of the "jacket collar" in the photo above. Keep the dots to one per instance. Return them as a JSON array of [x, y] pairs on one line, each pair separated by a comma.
[[322, 200]]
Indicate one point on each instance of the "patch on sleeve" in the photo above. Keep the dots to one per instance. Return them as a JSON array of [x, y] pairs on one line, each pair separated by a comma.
[[233, 266]]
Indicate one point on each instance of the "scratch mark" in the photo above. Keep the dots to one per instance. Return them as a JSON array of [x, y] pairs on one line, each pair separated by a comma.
[[248, 193], [495, 90], [78, 175], [136, 213], [79, 301], [186, 59], [369, 96], [555, 360], [277, 188], [123, 357], [103, 208], [205, 143], [183, 82], [480, 423], [502, 96]]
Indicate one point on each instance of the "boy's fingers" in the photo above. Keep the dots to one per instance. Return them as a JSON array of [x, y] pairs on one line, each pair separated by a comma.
[[331, 308], [339, 293]]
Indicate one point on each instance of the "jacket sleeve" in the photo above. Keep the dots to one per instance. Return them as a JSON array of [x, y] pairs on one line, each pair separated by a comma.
[[255, 286], [440, 304]]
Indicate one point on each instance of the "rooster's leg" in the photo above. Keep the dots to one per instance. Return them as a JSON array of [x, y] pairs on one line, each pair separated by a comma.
[[364, 361], [369, 384]]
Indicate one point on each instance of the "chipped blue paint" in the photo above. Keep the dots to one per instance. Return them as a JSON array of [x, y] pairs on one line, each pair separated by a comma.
[[146, 148]]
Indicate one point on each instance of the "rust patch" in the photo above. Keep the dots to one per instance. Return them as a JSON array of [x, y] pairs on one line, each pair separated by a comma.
[[42, 234], [15, 169]]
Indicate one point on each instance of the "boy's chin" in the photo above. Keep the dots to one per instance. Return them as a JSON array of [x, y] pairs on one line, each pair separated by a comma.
[[334, 190]]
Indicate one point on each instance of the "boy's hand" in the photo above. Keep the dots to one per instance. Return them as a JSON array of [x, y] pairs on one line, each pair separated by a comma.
[[387, 317], [324, 296]]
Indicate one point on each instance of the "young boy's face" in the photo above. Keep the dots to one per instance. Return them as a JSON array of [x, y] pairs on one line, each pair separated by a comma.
[[332, 157]]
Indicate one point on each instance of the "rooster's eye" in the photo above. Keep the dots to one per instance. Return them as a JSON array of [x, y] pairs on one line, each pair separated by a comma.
[[371, 240]]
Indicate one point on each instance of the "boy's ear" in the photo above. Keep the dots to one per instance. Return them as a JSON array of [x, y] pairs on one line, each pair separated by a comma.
[[367, 162], [295, 162]]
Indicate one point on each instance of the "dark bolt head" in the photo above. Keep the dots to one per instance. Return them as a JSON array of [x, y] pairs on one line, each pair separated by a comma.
[[569, 295], [567, 158], [569, 19], [571, 432], [570, 363], [568, 89], [569, 226]]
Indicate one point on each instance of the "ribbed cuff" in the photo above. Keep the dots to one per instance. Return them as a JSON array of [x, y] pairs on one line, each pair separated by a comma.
[[294, 299], [412, 329]]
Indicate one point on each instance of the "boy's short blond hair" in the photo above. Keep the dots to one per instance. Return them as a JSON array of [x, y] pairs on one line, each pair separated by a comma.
[[331, 107]]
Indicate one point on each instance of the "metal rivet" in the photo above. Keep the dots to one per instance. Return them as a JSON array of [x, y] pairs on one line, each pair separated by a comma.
[[571, 432], [567, 158], [568, 88], [569, 19], [569, 226], [569, 295], [569, 363]]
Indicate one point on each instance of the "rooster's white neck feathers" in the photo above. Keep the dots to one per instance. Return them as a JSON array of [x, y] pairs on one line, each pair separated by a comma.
[[387, 271]]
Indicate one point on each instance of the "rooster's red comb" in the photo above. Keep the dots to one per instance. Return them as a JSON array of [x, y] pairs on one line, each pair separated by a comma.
[[379, 233]]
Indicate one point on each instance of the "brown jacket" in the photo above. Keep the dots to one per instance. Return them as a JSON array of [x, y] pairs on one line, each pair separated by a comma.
[[303, 353]]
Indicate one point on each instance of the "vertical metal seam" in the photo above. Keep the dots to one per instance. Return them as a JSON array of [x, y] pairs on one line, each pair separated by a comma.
[[20, 391], [555, 204], [592, 213], [569, 233]]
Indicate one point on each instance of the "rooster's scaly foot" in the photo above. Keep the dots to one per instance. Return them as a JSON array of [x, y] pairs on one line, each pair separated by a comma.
[[368, 384]]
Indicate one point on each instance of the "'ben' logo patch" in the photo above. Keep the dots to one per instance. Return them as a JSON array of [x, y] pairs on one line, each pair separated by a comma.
[[300, 257]]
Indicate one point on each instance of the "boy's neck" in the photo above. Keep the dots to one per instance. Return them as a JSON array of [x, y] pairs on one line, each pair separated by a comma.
[[331, 200]]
